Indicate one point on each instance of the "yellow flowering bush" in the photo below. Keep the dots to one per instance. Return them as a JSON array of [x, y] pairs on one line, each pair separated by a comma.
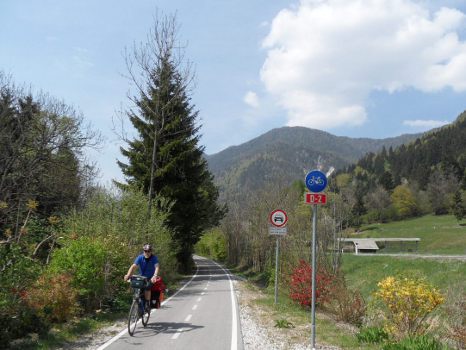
[[407, 303], [32, 204], [53, 220]]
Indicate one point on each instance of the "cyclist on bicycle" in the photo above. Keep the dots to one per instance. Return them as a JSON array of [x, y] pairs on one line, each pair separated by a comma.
[[148, 267]]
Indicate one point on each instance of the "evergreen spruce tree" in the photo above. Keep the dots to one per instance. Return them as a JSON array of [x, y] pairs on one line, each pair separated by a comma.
[[165, 159], [459, 210]]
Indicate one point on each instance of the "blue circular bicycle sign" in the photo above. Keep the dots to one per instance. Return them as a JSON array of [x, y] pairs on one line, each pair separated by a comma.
[[316, 181]]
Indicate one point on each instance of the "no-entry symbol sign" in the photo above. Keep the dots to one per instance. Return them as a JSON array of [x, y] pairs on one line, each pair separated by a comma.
[[278, 218]]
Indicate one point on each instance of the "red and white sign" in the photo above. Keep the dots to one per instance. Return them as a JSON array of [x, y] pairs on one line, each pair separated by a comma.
[[278, 218], [315, 198]]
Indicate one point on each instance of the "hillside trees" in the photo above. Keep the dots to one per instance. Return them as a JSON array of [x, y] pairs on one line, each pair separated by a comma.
[[165, 158], [41, 157], [420, 177]]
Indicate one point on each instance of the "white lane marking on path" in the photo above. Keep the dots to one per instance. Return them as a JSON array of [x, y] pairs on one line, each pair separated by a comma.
[[116, 337], [234, 327], [203, 293], [188, 318], [199, 299], [195, 307]]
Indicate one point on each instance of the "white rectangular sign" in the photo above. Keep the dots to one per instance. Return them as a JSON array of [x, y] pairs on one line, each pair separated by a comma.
[[280, 231]]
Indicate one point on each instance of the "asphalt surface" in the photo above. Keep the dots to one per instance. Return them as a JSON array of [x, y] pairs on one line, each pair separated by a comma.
[[202, 315]]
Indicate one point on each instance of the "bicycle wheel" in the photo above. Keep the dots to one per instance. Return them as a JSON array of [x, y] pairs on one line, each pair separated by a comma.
[[133, 317], [145, 316]]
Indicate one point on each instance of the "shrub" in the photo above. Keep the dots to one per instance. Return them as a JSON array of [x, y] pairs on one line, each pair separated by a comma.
[[96, 266], [17, 270], [416, 343], [348, 305], [53, 298], [407, 303], [373, 335], [283, 323], [455, 315], [301, 285]]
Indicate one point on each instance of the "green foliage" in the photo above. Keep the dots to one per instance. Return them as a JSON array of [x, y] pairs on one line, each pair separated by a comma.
[[372, 335], [283, 323], [416, 343], [213, 245], [404, 201], [17, 272], [459, 209], [41, 140], [85, 259], [105, 237]]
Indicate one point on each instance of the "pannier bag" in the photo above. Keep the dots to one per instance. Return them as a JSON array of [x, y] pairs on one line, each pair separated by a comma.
[[157, 293]]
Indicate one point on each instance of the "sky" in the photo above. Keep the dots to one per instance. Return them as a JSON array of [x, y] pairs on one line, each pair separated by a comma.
[[368, 68]]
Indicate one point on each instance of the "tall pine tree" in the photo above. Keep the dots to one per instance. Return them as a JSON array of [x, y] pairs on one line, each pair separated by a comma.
[[165, 159]]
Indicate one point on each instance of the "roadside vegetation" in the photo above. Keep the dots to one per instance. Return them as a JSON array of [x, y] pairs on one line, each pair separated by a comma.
[[66, 243], [353, 293]]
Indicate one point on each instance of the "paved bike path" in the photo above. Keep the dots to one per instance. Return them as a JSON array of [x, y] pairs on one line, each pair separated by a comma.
[[204, 315]]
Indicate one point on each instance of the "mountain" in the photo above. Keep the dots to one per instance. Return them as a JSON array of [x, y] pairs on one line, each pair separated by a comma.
[[286, 154]]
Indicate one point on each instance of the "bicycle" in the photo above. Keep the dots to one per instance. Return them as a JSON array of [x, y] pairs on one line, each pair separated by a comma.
[[138, 308]]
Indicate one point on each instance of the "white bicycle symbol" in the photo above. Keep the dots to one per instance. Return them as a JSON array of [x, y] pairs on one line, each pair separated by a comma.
[[315, 181]]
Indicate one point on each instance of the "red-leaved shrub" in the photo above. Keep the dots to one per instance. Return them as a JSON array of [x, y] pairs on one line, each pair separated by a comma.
[[53, 298], [301, 285]]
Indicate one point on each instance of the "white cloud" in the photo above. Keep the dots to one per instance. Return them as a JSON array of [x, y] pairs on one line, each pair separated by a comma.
[[251, 99], [425, 124], [325, 56]]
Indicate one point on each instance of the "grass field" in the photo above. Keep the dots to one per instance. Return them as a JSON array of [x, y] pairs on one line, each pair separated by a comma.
[[363, 272], [439, 234]]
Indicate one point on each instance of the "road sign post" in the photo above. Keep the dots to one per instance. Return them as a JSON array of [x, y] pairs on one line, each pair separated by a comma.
[[278, 219], [316, 181], [314, 263]]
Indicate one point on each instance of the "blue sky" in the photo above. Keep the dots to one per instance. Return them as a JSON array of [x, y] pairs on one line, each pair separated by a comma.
[[353, 68]]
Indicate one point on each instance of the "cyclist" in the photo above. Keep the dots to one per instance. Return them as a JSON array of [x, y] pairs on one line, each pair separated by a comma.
[[148, 267]]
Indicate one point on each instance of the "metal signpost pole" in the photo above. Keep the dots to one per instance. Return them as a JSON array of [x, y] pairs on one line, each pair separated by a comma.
[[276, 271], [278, 219], [316, 182], [313, 309]]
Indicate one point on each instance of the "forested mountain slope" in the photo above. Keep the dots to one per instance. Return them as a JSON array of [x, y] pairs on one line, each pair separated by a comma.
[[283, 155], [440, 151]]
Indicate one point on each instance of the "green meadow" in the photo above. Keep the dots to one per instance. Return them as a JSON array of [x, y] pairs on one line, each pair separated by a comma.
[[438, 234]]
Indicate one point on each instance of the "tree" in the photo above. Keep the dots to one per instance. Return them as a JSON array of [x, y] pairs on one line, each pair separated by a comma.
[[404, 201], [459, 210], [165, 158], [41, 144], [377, 201], [441, 189]]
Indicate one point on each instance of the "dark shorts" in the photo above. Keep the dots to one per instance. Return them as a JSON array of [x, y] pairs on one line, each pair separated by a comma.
[[149, 284]]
